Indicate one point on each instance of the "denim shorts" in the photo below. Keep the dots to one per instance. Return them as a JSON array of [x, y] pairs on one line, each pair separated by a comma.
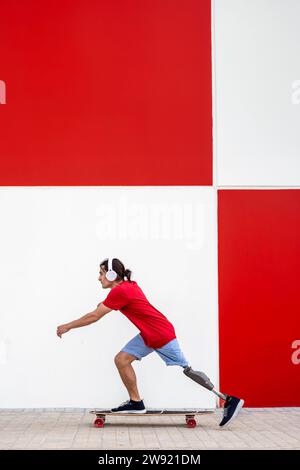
[[170, 352]]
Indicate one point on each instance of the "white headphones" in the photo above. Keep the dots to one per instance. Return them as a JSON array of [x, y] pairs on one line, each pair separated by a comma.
[[111, 275]]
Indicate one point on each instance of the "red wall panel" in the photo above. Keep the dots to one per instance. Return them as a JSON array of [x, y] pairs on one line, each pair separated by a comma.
[[259, 302], [103, 92]]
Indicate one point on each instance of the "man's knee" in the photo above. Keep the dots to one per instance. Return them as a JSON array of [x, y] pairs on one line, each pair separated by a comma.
[[122, 359]]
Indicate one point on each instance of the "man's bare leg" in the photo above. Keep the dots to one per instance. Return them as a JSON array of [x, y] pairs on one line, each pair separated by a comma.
[[123, 362]]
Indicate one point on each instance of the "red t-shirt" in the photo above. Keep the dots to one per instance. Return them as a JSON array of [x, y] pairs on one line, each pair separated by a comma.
[[155, 328]]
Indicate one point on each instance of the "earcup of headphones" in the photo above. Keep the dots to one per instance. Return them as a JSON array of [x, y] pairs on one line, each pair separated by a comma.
[[111, 275]]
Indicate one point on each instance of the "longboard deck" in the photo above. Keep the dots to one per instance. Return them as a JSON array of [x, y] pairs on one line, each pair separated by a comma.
[[158, 412], [187, 413]]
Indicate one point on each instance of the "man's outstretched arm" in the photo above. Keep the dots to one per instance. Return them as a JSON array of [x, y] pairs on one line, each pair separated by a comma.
[[87, 319]]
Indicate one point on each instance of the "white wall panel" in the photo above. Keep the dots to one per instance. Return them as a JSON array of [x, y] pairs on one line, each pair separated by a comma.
[[52, 240], [257, 92]]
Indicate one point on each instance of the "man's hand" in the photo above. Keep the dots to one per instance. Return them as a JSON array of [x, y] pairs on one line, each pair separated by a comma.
[[62, 329]]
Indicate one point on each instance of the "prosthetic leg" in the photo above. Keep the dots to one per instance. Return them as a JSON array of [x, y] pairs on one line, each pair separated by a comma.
[[203, 380], [232, 404]]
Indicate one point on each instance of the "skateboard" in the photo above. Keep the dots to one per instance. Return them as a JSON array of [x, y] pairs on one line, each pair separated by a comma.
[[190, 420]]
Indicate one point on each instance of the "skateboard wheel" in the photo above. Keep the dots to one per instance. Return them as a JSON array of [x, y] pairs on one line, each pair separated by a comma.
[[191, 422], [99, 422]]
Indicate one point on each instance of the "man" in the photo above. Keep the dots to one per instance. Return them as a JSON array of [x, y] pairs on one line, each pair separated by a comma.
[[156, 334]]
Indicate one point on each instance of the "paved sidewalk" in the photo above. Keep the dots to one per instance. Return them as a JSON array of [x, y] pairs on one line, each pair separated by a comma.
[[264, 428]]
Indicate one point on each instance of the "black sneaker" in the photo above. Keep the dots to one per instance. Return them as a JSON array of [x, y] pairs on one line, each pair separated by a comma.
[[231, 409], [130, 406]]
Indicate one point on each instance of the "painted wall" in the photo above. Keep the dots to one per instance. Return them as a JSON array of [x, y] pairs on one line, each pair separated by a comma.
[[258, 176], [259, 302], [106, 93], [115, 96], [257, 75], [52, 241], [106, 150]]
